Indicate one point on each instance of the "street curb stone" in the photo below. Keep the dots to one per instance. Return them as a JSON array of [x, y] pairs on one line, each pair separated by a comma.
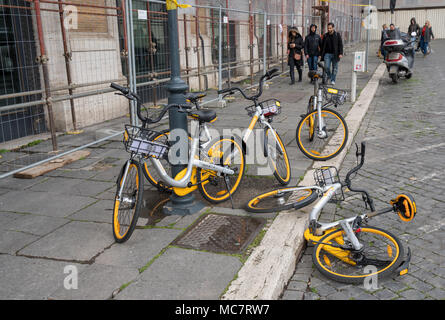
[[272, 263]]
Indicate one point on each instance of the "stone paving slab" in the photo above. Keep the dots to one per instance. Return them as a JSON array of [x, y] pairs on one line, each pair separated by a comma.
[[181, 274], [13, 241], [30, 279], [75, 241], [97, 282], [43, 203], [140, 249], [35, 224]]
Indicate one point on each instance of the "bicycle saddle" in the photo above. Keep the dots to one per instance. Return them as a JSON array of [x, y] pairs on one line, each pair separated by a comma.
[[203, 115], [194, 96], [314, 74]]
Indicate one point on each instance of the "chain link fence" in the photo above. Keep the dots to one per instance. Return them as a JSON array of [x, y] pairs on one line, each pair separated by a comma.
[[58, 58]]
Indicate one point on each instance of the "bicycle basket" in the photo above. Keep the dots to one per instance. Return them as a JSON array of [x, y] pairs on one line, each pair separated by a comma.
[[138, 140], [336, 96], [326, 176], [271, 108]]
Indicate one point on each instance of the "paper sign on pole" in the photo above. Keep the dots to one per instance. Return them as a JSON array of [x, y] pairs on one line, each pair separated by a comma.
[[359, 61], [142, 15]]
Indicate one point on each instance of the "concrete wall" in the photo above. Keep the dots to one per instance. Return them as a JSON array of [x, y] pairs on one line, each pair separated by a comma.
[[402, 18]]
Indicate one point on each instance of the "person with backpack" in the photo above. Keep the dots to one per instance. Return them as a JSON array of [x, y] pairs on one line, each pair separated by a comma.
[[295, 46], [312, 48]]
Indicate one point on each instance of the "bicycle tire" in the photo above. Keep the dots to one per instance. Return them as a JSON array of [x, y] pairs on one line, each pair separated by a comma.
[[324, 264], [308, 150], [151, 175], [134, 198], [309, 196], [282, 178], [213, 187]]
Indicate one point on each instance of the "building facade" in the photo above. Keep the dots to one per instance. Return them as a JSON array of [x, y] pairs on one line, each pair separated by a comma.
[[59, 57]]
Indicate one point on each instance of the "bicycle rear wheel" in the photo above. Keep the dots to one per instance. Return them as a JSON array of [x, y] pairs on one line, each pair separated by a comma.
[[277, 157], [281, 199], [382, 254], [127, 208], [313, 144], [226, 152]]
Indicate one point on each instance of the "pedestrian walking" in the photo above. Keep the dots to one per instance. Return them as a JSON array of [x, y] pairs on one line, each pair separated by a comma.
[[332, 52], [384, 36], [413, 27], [426, 36], [394, 33], [312, 48], [295, 46]]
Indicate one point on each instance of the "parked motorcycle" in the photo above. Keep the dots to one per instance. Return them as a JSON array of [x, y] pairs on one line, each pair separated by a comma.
[[400, 58]]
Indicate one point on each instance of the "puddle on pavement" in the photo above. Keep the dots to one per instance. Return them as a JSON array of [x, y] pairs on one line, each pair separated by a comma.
[[153, 202], [221, 233]]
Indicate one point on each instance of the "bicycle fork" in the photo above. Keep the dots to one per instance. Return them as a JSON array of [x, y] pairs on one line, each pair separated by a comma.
[[123, 179]]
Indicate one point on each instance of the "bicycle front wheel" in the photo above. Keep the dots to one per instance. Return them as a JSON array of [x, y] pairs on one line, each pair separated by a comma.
[[277, 157], [381, 255], [226, 152], [128, 205], [149, 172], [312, 141], [281, 199]]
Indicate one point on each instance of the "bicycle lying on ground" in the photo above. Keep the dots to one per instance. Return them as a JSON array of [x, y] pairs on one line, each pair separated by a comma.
[[345, 248], [261, 112], [320, 124], [218, 175]]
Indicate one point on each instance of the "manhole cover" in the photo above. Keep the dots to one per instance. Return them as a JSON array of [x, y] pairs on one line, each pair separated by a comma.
[[221, 233]]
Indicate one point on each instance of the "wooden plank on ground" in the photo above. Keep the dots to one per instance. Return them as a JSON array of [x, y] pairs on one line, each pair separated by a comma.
[[52, 165]]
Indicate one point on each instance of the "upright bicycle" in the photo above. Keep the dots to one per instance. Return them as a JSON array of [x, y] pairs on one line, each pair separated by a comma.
[[345, 250], [322, 125], [260, 112], [217, 174], [263, 113]]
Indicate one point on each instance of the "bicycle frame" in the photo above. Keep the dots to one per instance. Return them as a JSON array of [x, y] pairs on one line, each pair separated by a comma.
[[192, 163]]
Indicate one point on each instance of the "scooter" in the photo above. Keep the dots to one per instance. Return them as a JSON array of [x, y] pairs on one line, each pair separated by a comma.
[[400, 58]]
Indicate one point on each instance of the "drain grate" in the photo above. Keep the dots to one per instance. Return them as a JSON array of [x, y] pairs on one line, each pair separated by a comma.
[[221, 233]]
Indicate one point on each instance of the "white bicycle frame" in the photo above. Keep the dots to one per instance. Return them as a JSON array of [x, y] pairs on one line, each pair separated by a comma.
[[192, 162], [328, 192]]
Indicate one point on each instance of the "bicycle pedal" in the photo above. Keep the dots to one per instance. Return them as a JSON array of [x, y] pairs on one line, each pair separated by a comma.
[[404, 267]]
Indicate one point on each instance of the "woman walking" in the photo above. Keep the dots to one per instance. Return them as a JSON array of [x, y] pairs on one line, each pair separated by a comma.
[[295, 45]]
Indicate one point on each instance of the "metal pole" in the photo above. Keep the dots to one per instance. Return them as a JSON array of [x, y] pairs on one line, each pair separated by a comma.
[[131, 60], [67, 56], [44, 61], [178, 205], [220, 53], [367, 38], [265, 44]]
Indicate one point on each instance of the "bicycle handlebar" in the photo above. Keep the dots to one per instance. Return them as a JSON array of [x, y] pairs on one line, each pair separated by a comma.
[[360, 153], [126, 92], [269, 75], [348, 182]]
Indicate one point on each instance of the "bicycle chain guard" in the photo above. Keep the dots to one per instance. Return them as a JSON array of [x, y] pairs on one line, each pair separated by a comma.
[[405, 206]]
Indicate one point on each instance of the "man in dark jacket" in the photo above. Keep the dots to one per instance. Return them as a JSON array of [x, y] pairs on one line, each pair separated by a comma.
[[312, 48], [332, 52]]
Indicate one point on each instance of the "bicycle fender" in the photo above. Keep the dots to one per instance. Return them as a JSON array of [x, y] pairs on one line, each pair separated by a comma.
[[265, 140]]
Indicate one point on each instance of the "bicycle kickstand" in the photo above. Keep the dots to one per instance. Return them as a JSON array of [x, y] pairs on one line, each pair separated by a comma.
[[227, 182]]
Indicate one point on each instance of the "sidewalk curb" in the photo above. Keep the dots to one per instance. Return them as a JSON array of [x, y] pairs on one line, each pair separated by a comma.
[[272, 263]]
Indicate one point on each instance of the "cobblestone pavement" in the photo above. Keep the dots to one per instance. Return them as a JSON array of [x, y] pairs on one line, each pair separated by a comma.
[[63, 219], [404, 131]]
